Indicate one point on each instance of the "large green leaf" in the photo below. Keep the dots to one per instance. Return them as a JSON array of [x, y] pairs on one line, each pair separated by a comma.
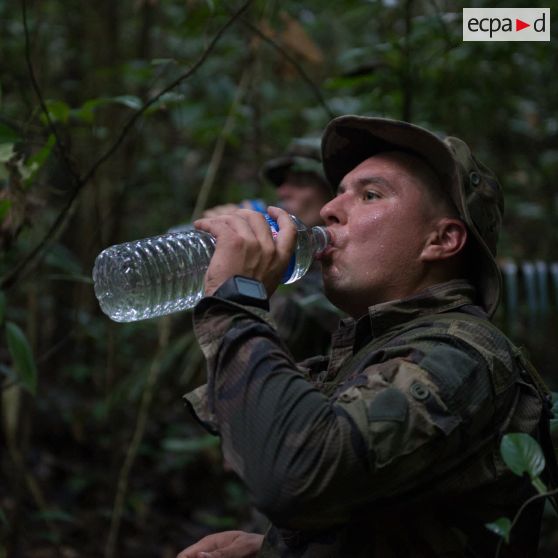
[[59, 111], [501, 527], [22, 356], [522, 454]]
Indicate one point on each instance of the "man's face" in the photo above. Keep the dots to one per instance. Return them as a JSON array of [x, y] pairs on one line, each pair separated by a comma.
[[380, 221], [302, 195]]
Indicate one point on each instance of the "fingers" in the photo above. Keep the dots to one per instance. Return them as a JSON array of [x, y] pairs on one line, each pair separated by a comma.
[[260, 229], [246, 238], [209, 544], [229, 544], [245, 246], [218, 210], [286, 239]]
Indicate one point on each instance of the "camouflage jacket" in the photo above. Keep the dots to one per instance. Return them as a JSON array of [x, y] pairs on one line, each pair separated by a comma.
[[303, 316], [387, 448]]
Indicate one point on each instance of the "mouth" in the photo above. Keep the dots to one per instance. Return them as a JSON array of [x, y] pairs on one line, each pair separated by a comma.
[[329, 248], [325, 254]]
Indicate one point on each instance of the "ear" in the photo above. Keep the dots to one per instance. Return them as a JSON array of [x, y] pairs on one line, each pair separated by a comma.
[[446, 240]]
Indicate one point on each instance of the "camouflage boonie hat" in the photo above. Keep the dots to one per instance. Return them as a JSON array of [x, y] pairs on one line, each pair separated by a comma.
[[473, 188], [302, 155]]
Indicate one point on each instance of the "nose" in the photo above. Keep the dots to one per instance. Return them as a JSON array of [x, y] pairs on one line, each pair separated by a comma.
[[333, 211]]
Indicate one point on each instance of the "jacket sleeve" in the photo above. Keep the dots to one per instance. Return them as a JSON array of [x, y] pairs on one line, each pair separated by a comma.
[[309, 460]]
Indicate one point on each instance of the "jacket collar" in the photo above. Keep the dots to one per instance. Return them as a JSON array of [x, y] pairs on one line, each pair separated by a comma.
[[381, 318]]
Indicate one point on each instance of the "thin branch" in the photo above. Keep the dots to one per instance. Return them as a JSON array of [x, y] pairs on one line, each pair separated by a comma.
[[59, 143], [219, 148], [165, 90], [315, 89], [131, 453], [520, 511], [11, 278]]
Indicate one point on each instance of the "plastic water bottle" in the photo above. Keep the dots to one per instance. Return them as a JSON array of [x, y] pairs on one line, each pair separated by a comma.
[[163, 274]]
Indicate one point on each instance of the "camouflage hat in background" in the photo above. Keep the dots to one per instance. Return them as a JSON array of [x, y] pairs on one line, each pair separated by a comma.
[[302, 155], [473, 188]]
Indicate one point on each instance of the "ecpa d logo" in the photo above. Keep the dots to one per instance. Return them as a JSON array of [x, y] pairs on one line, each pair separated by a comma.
[[506, 24]]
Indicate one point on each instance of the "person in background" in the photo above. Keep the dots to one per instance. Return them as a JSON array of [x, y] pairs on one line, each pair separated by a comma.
[[304, 317], [389, 446]]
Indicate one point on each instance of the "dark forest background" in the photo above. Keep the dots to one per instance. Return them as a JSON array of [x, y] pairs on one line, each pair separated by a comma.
[[121, 119]]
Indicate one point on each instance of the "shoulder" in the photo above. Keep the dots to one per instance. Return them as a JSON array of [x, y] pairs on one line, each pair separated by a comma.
[[472, 335], [457, 348]]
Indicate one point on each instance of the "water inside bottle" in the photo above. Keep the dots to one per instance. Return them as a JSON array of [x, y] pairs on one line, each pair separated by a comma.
[[152, 277], [165, 274]]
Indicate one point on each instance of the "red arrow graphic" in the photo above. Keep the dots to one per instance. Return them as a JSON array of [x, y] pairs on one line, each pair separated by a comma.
[[519, 25]]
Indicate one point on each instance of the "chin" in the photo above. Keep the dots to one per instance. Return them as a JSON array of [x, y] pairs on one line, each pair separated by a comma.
[[346, 298], [337, 296]]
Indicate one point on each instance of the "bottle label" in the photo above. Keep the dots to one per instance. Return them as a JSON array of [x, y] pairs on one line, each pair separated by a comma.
[[274, 226], [258, 205]]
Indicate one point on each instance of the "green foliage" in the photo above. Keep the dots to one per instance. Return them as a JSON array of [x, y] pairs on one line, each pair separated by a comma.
[[6, 152], [96, 66], [5, 206], [22, 357], [58, 111], [37, 160], [8, 134], [501, 527], [523, 454]]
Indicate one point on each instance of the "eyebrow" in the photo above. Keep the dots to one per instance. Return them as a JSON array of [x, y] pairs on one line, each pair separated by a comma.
[[367, 181]]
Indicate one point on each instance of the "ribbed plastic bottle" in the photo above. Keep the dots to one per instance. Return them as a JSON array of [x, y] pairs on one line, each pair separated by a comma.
[[163, 274]]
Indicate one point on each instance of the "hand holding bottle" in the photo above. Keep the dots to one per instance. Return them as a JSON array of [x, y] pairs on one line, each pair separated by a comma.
[[163, 274], [246, 246], [227, 208]]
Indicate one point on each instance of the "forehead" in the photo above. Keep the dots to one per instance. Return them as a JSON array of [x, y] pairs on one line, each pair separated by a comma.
[[392, 162], [392, 166]]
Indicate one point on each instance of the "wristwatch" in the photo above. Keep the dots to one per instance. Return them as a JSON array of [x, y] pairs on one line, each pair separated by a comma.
[[244, 290]]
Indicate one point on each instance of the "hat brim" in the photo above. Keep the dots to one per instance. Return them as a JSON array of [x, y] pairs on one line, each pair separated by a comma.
[[349, 140], [276, 170]]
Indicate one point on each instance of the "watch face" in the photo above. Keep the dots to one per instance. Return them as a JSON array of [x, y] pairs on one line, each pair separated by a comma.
[[251, 288]]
